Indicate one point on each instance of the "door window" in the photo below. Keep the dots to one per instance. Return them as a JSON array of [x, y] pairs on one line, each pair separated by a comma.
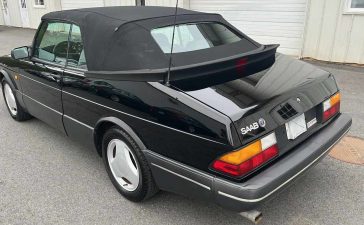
[[76, 53], [52, 42]]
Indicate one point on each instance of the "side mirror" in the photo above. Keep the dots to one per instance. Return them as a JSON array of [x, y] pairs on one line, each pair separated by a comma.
[[20, 53]]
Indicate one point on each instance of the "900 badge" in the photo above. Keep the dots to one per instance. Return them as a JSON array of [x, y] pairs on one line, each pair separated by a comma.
[[254, 126]]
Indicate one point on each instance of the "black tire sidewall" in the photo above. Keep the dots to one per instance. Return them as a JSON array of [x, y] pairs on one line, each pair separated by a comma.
[[140, 193]]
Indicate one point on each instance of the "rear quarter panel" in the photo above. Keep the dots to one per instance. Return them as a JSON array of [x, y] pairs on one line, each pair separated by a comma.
[[164, 124]]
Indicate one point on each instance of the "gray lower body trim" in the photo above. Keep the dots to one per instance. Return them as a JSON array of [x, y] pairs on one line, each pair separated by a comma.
[[287, 181], [183, 177], [185, 180]]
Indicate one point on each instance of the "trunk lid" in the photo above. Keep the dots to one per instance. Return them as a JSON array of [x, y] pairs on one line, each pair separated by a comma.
[[267, 100]]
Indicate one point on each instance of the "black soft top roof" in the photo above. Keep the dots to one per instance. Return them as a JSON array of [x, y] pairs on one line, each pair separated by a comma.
[[118, 42], [122, 13]]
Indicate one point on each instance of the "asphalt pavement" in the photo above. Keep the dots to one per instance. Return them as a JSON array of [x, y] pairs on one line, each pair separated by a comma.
[[45, 178]]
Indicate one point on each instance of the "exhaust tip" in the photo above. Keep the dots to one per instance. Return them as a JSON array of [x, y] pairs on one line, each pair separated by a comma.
[[253, 215]]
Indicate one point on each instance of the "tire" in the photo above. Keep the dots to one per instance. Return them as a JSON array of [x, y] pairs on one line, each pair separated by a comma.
[[17, 112], [122, 164]]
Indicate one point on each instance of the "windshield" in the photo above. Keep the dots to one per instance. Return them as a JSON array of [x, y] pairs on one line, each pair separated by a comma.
[[193, 36]]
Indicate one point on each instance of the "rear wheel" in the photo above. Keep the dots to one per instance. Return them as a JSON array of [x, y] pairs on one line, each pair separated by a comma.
[[127, 166], [14, 108]]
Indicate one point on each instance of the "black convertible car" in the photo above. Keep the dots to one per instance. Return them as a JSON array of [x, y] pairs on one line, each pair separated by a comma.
[[217, 116]]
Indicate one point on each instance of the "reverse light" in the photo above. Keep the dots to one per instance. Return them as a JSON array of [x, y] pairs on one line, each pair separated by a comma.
[[331, 107], [245, 160]]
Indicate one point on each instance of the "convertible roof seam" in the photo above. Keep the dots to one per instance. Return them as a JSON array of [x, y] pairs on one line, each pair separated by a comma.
[[126, 13], [150, 18], [100, 14]]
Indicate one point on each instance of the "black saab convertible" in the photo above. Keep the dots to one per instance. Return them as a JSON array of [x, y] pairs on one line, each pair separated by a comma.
[[215, 115]]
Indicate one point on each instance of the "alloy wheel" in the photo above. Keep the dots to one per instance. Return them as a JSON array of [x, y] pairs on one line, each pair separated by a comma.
[[10, 99], [123, 165]]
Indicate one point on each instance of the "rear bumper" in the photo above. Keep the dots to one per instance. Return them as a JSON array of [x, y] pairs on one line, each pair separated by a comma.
[[181, 179]]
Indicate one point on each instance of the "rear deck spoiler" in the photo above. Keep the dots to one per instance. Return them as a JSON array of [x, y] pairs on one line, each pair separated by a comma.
[[236, 66]]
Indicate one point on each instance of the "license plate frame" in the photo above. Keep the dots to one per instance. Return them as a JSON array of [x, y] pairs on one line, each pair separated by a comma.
[[296, 127]]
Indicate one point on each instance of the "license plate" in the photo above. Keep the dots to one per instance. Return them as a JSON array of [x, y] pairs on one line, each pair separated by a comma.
[[296, 127]]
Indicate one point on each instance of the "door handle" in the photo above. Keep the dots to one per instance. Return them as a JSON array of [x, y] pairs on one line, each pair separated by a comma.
[[55, 77], [55, 73], [53, 68]]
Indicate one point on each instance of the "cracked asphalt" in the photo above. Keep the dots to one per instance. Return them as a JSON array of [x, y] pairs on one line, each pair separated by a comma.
[[45, 178]]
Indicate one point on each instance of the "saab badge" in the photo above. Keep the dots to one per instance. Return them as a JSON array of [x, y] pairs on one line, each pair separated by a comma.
[[261, 122], [253, 127]]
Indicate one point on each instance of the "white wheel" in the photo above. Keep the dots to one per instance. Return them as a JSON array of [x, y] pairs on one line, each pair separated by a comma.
[[14, 108], [123, 165], [126, 165], [10, 100]]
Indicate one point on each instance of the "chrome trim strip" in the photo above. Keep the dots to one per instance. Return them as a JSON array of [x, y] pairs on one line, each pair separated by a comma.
[[71, 118], [80, 73], [42, 104], [280, 186], [55, 68], [141, 118], [47, 63], [79, 122], [40, 82], [181, 176]]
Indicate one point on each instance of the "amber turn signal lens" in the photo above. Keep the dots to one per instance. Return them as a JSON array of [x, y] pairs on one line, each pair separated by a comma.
[[245, 160], [335, 99], [243, 154]]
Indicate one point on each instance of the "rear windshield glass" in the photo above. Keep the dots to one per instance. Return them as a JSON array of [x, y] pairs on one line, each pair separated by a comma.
[[193, 36]]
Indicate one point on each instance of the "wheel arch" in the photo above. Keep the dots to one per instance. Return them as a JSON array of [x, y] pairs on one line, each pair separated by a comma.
[[5, 75], [106, 123]]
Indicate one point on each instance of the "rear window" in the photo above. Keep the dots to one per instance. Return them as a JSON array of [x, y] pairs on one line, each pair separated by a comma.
[[193, 36]]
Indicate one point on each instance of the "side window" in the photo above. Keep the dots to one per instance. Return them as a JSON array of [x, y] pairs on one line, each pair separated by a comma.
[[76, 54], [194, 36], [52, 42]]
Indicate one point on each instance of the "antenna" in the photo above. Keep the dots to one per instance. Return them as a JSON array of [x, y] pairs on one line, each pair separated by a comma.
[[170, 56]]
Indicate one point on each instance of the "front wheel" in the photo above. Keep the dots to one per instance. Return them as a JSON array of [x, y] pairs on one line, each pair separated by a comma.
[[14, 108], [127, 166]]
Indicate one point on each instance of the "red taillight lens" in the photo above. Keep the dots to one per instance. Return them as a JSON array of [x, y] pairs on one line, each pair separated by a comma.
[[245, 160], [331, 112], [331, 107]]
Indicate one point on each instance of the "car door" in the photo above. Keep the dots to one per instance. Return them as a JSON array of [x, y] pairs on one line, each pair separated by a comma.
[[79, 114], [42, 78]]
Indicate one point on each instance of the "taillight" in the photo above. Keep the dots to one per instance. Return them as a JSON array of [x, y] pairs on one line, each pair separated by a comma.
[[331, 107], [245, 160]]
